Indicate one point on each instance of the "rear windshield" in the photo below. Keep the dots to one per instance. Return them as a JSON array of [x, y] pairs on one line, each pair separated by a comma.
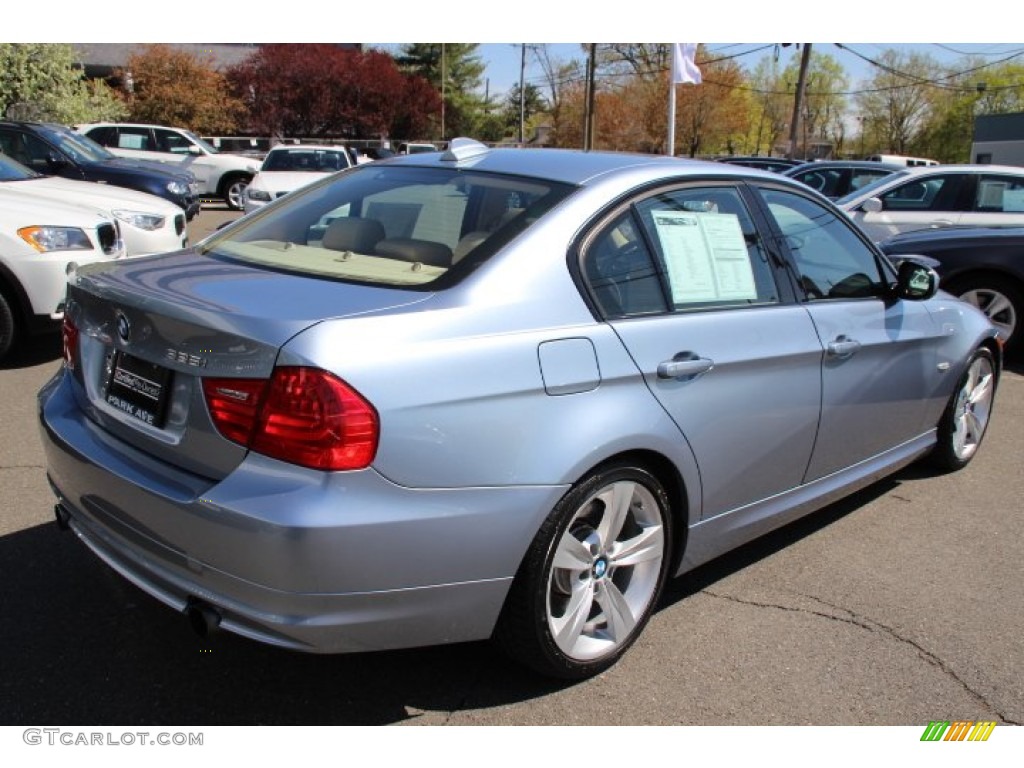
[[398, 226]]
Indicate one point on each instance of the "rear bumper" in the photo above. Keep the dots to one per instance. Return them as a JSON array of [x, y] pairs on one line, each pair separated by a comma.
[[323, 562], [318, 623]]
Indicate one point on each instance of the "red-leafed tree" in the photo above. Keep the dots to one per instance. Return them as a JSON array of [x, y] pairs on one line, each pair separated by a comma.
[[319, 89]]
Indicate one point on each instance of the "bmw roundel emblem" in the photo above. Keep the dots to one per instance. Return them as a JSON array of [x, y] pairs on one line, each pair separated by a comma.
[[124, 328]]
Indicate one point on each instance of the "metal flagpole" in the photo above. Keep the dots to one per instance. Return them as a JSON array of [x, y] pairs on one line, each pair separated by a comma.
[[684, 70]]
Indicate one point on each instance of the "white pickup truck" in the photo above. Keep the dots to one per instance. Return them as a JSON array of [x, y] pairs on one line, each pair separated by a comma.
[[221, 175]]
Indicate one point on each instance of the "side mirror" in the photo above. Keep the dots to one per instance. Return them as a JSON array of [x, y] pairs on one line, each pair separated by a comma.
[[194, 150], [898, 258], [872, 205], [916, 282], [55, 162]]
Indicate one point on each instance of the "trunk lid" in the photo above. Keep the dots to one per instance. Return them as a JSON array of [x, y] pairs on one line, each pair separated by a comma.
[[149, 330]]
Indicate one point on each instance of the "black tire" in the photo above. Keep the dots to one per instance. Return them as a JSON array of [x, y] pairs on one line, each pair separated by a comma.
[[967, 415], [574, 617], [9, 331], [1000, 299], [232, 190]]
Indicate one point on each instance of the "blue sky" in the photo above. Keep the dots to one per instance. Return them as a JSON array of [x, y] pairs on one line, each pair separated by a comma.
[[880, 22], [503, 59]]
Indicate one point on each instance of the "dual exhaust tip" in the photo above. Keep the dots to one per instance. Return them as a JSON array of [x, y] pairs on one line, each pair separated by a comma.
[[202, 617]]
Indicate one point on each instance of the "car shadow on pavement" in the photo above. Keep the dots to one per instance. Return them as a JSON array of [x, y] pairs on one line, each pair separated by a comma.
[[34, 351], [81, 645], [765, 546]]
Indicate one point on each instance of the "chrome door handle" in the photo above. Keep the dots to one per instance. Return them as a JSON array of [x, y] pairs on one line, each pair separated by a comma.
[[843, 347], [685, 365], [939, 223]]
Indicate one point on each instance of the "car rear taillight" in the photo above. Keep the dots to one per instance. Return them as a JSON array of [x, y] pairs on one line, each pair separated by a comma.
[[304, 416], [233, 404], [69, 342]]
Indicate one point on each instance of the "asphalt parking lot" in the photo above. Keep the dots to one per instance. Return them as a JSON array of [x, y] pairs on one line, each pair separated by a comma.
[[900, 605]]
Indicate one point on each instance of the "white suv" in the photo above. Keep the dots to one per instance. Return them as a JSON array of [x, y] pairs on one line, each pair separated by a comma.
[[221, 175], [41, 242], [148, 224]]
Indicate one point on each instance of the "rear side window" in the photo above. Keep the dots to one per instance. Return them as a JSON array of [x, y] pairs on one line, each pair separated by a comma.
[[134, 138], [1000, 194], [390, 225], [679, 251]]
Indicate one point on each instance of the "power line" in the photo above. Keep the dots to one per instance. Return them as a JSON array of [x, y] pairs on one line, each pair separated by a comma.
[[939, 82]]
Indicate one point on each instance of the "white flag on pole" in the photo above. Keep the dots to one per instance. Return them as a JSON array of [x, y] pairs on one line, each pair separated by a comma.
[[684, 68]]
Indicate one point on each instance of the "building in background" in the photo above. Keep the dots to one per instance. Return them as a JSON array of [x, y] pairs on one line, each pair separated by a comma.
[[999, 139]]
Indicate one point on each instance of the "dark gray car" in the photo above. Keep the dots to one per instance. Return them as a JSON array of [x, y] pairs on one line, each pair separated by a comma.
[[982, 265], [836, 178], [55, 150]]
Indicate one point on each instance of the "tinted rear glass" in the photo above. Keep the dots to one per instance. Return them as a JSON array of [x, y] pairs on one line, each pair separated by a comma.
[[390, 225]]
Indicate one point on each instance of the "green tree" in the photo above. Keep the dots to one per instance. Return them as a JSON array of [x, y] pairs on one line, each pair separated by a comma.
[[969, 88], [824, 107], [771, 105], [897, 102], [40, 81], [532, 105], [174, 87], [558, 80], [456, 71]]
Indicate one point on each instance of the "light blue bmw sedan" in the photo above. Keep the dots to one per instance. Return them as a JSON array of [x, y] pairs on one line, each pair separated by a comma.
[[494, 393]]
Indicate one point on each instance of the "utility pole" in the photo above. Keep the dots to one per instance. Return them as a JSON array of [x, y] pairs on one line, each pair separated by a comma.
[[444, 76], [588, 112], [522, 92], [805, 60]]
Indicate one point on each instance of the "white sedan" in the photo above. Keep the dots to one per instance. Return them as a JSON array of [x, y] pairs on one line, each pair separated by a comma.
[[936, 196], [148, 224], [286, 168]]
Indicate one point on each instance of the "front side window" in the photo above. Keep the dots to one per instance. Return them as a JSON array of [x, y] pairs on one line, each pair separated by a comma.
[[931, 193], [828, 181], [678, 251], [171, 141], [861, 178], [832, 262], [78, 146], [31, 151], [13, 144]]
